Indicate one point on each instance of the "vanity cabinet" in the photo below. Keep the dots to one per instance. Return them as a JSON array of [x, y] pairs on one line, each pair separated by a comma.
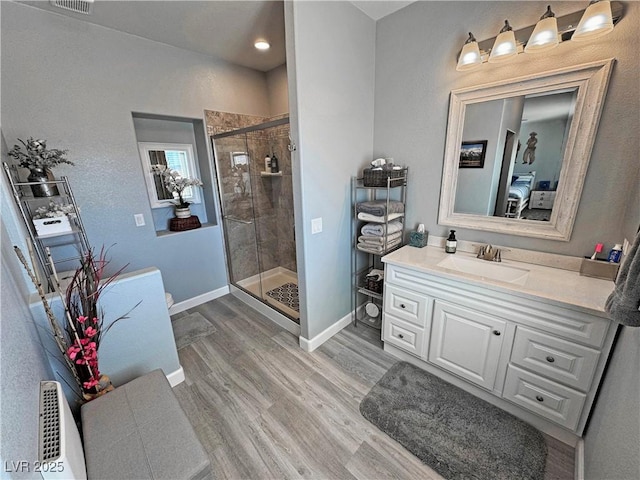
[[466, 342], [540, 360]]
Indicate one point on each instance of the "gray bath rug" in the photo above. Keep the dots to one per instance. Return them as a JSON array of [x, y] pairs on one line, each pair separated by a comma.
[[190, 328], [286, 294], [457, 434]]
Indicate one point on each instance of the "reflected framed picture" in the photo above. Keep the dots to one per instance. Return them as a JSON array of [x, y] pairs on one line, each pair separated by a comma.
[[472, 154]]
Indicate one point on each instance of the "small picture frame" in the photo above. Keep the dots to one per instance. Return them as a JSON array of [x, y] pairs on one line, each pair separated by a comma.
[[472, 154]]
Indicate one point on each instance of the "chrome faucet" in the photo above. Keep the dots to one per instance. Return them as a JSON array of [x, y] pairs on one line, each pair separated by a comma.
[[489, 253]]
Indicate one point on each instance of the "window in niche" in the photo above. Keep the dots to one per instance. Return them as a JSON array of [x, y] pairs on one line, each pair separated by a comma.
[[176, 156]]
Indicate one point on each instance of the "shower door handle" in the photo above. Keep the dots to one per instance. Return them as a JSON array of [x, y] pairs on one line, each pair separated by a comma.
[[234, 219]]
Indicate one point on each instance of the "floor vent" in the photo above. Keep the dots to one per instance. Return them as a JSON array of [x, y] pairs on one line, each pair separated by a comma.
[[78, 6], [49, 422]]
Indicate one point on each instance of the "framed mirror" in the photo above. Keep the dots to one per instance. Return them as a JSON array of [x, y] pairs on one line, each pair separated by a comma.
[[517, 151]]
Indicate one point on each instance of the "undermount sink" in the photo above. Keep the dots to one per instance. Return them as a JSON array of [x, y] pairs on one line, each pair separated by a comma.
[[483, 268]]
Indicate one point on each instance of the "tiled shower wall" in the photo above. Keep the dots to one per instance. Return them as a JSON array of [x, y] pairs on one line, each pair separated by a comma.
[[266, 201]]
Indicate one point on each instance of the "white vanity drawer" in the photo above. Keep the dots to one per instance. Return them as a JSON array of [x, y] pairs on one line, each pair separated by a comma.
[[566, 362], [406, 305], [551, 400], [403, 335]]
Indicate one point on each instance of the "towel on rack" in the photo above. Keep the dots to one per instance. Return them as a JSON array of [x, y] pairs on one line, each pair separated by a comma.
[[371, 229], [367, 217], [623, 305], [375, 240], [379, 207], [371, 248]]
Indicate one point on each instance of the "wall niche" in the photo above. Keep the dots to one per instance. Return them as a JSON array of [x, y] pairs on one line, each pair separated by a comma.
[[164, 129]]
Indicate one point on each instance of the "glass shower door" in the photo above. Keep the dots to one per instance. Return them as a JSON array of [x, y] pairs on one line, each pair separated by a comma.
[[257, 208], [236, 194]]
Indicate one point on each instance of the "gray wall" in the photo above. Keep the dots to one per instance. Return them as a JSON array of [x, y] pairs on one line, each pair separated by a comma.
[[79, 92], [333, 88], [278, 90], [612, 438], [22, 359], [415, 72]]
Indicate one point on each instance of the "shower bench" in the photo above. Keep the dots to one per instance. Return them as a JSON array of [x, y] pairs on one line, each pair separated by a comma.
[[139, 430]]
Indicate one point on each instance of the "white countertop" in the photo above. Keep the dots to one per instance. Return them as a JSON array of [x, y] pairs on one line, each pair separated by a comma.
[[555, 284]]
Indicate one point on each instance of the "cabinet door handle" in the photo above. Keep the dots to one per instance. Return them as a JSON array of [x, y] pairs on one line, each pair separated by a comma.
[[496, 332], [400, 335], [402, 305], [539, 398], [550, 359]]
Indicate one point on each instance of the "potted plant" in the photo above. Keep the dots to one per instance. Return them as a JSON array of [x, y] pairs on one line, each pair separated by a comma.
[[34, 155], [176, 185], [78, 336], [53, 218]]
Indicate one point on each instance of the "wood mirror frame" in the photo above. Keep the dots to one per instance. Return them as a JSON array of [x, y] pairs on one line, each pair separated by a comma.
[[591, 80]]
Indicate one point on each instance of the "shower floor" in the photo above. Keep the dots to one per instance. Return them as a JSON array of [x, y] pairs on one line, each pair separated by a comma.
[[270, 290]]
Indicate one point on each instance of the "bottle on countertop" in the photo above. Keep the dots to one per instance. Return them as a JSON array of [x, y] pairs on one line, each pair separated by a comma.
[[451, 243], [615, 254], [267, 163], [274, 164]]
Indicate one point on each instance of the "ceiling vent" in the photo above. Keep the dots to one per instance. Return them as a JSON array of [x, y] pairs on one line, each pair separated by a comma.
[[78, 6]]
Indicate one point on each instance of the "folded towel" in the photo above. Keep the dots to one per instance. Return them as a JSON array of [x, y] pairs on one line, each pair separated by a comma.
[[379, 207], [375, 240], [376, 274], [623, 305], [370, 248], [379, 230], [367, 217]]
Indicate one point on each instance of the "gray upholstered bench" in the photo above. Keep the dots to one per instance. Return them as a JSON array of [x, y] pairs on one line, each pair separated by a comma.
[[140, 431]]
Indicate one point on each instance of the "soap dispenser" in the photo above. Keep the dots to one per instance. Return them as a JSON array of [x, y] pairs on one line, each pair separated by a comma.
[[451, 244]]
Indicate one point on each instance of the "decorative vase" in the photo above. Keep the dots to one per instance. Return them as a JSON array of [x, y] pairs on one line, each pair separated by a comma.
[[42, 175], [183, 212], [105, 386]]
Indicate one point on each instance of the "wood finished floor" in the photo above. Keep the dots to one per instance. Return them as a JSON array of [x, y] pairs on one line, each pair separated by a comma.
[[263, 408]]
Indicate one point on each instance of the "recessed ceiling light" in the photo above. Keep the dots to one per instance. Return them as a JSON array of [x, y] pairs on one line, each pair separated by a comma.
[[262, 45]]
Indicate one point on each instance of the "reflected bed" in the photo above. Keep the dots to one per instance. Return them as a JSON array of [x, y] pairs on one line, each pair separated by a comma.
[[519, 192]]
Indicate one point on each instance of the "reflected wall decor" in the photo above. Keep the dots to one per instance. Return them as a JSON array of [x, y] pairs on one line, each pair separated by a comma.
[[472, 154]]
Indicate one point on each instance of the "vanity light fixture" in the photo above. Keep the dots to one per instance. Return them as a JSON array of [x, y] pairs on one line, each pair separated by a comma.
[[545, 35], [596, 21], [470, 55], [505, 45], [262, 45]]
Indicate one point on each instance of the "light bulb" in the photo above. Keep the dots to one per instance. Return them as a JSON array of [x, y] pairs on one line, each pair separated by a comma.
[[505, 45], [595, 22], [544, 35], [262, 45], [470, 55]]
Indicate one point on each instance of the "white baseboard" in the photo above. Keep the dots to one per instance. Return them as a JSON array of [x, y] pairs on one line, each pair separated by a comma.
[[326, 334], [199, 300], [579, 460], [176, 377]]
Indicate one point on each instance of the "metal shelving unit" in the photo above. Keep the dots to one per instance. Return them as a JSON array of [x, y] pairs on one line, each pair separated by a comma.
[[363, 262], [65, 248]]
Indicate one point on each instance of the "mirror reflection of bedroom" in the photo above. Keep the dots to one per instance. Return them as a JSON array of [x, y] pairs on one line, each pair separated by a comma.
[[518, 157]]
